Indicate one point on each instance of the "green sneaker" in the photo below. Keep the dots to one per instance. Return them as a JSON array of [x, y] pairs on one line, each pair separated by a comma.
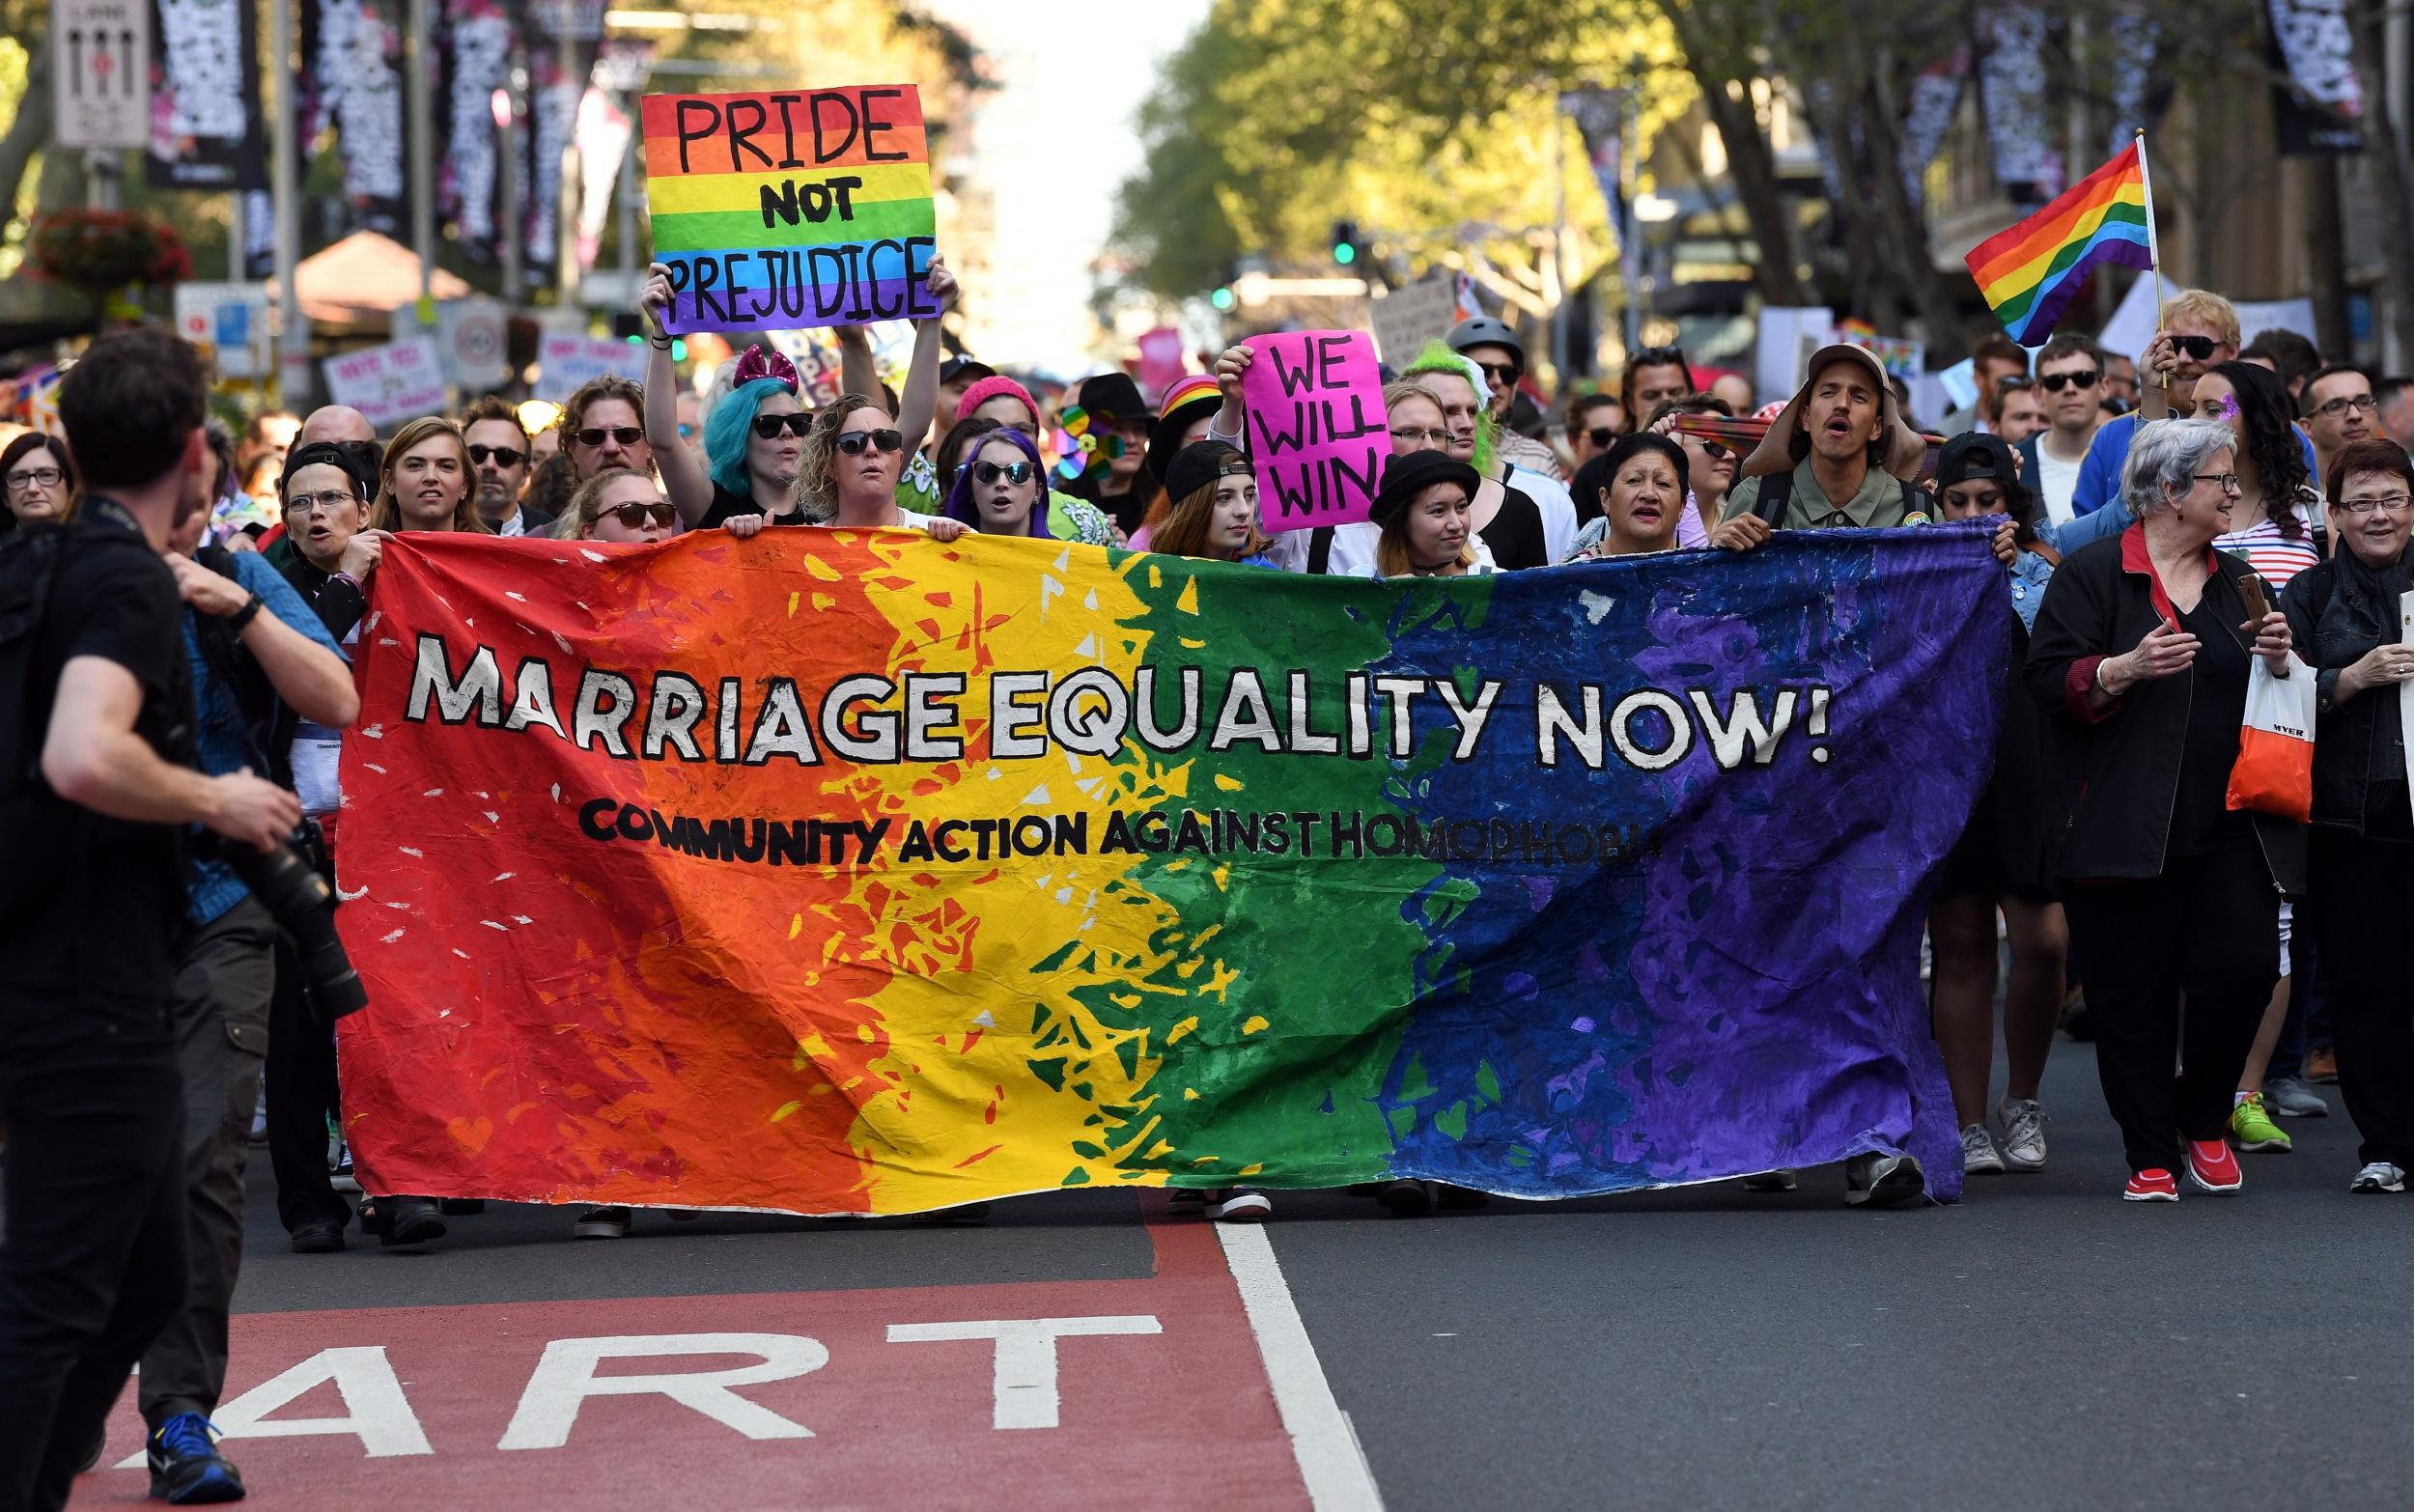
[[2254, 1130]]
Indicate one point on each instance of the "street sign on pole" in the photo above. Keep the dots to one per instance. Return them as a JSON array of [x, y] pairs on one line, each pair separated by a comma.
[[101, 68], [229, 324]]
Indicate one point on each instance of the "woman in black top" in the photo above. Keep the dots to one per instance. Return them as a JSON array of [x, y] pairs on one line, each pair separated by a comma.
[[2141, 655], [2345, 613]]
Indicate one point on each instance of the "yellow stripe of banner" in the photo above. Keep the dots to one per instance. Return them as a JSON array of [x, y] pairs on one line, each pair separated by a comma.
[[2026, 275], [726, 193]]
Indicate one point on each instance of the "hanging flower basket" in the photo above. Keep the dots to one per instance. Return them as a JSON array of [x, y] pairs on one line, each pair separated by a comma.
[[104, 251]]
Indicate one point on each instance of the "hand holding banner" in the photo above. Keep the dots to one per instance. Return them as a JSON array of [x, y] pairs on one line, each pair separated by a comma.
[[792, 209], [1316, 427]]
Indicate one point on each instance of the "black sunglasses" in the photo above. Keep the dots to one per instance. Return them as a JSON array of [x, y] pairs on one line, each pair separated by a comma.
[[1602, 438], [1502, 374], [796, 424], [503, 456], [2198, 348], [852, 443], [2055, 383], [633, 516], [990, 472], [1714, 450], [625, 435]]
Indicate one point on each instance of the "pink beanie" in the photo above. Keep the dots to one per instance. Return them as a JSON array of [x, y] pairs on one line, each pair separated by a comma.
[[989, 388]]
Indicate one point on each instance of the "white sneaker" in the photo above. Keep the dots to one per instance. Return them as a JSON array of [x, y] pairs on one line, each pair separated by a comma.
[[1979, 1156], [2024, 1133], [602, 1223], [2380, 1176], [1241, 1207]]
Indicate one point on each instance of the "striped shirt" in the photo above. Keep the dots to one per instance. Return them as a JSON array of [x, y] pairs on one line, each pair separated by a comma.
[[2274, 557]]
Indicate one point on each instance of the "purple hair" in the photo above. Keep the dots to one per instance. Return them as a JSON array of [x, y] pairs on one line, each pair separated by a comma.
[[960, 505]]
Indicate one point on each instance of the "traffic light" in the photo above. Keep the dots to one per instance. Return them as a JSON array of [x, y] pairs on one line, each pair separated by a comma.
[[1222, 299], [1345, 242]]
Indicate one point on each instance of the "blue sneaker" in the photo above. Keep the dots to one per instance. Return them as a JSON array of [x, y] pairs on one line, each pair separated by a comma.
[[186, 1469]]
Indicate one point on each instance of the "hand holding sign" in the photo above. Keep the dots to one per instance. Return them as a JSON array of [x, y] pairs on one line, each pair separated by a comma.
[[1316, 427], [793, 208]]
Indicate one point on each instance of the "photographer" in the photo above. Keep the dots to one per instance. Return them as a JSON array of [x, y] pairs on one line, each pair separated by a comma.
[[95, 716], [260, 662]]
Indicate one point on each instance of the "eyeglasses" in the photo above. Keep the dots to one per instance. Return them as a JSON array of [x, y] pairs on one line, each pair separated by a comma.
[[1016, 472], [1600, 436], [308, 504], [854, 442], [503, 456], [2394, 503], [634, 516], [1501, 375], [1439, 440], [2329, 407], [2229, 481], [768, 426], [625, 435], [2055, 383], [2200, 347], [35, 478]]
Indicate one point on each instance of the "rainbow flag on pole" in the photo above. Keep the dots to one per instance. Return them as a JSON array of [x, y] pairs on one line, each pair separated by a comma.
[[2032, 271]]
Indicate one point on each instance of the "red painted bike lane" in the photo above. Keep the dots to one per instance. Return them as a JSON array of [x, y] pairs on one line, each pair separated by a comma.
[[1112, 1394]]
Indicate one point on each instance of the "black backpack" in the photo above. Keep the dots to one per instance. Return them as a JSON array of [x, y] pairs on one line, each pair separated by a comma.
[[1777, 489]]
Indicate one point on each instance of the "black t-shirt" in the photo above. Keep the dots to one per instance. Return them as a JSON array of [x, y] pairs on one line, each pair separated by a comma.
[[1514, 537], [105, 920], [2216, 707], [726, 504]]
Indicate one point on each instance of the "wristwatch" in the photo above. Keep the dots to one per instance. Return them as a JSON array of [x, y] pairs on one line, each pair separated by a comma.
[[243, 616]]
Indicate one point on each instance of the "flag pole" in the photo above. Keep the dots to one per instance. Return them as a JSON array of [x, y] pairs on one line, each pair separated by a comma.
[[2153, 243]]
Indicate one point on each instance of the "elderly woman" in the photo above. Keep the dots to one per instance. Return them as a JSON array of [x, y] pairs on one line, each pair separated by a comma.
[[1640, 484], [2344, 615], [2140, 655], [38, 475]]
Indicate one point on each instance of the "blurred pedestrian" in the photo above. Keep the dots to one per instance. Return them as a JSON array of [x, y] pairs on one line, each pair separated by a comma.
[[2339, 409], [2070, 378]]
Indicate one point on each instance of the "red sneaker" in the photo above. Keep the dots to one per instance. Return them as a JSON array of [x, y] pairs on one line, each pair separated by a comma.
[[2212, 1166], [2154, 1185]]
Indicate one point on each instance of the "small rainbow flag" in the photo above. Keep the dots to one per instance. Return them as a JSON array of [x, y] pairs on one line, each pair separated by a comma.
[[2032, 271]]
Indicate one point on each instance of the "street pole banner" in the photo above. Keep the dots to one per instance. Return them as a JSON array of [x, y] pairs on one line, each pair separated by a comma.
[[207, 125], [847, 872], [792, 209], [1316, 427]]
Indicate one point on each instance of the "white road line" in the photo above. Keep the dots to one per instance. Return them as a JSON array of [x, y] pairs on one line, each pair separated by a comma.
[[1329, 1461]]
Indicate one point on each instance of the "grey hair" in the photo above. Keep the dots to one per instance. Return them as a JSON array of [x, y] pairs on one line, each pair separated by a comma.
[[2164, 459]]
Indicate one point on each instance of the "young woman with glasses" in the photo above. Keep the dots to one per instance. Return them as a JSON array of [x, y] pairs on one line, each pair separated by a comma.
[[1000, 488]]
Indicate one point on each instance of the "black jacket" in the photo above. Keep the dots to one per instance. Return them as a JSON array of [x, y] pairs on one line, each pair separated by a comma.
[[2351, 740], [2117, 774]]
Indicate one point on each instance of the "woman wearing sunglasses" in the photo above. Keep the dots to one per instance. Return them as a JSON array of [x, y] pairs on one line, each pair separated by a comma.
[[1001, 489], [853, 455], [753, 439], [621, 507]]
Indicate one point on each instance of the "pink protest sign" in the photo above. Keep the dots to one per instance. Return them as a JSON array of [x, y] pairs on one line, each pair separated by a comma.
[[1316, 427]]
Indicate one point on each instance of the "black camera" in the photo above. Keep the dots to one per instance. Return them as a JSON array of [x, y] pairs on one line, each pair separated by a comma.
[[291, 883]]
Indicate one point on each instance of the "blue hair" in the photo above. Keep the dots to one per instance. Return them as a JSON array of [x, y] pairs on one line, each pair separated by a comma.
[[960, 505], [727, 428]]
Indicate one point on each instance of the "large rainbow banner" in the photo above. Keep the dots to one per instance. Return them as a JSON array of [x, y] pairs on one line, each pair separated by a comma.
[[792, 209], [844, 871]]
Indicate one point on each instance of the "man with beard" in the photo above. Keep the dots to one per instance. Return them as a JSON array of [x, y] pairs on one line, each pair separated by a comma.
[[500, 453]]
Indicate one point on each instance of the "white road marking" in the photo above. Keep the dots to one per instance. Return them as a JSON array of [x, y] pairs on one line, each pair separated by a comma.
[[1331, 1463], [1024, 1393]]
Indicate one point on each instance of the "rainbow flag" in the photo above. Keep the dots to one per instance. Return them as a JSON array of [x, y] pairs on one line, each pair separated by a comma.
[[2032, 271], [790, 209]]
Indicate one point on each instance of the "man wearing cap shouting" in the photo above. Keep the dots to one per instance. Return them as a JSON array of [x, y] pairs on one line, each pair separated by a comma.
[[1837, 454]]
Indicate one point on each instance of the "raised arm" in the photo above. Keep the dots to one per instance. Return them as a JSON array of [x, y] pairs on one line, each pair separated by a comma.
[[683, 478], [920, 403]]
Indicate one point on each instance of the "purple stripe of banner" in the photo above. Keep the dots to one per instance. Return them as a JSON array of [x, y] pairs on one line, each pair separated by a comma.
[[788, 307], [2048, 308]]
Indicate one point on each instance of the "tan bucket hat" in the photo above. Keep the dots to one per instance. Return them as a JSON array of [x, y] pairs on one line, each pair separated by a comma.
[[1906, 450]]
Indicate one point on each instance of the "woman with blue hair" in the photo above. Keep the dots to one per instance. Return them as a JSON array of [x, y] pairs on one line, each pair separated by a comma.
[[1000, 488]]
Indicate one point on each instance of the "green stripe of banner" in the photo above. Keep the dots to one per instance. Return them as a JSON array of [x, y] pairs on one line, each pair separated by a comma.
[[2123, 223], [711, 231]]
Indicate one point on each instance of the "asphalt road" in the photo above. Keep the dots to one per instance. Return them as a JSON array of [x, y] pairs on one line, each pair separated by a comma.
[[2042, 1345]]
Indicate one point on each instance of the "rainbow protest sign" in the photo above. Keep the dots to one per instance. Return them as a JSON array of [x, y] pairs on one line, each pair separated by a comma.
[[844, 871], [790, 209]]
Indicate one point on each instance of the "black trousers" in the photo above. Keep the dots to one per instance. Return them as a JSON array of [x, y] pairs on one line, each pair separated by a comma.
[[2207, 931], [2366, 888], [302, 1099], [93, 1265], [220, 1014]]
